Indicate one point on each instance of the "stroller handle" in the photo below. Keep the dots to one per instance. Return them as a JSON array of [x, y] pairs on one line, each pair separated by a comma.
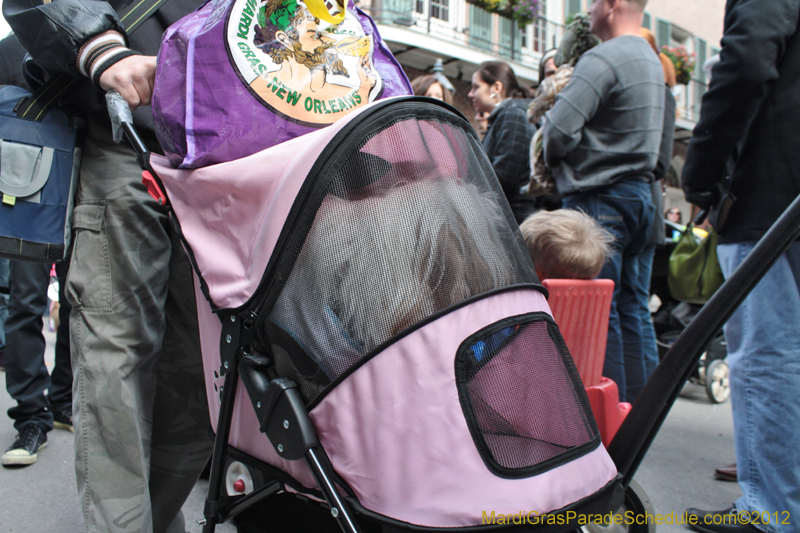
[[122, 122]]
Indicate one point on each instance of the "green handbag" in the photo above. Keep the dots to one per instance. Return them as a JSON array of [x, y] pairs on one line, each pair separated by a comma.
[[694, 272]]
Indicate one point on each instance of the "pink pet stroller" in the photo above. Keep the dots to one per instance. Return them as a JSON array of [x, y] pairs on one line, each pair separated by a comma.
[[372, 295]]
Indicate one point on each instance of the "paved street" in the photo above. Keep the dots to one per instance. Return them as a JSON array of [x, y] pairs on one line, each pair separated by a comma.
[[677, 472]]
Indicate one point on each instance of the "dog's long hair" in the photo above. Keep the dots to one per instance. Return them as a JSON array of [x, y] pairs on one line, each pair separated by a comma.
[[385, 262]]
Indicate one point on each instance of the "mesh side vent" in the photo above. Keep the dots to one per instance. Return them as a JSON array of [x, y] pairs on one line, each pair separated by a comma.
[[522, 397], [412, 223]]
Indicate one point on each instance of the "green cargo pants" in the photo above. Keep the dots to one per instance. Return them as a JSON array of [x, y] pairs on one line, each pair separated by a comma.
[[141, 420]]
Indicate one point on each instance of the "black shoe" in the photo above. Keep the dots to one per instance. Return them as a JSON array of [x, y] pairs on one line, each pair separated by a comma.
[[727, 521], [25, 449], [63, 419]]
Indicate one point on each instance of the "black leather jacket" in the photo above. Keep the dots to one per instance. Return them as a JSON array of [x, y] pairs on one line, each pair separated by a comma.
[[53, 33]]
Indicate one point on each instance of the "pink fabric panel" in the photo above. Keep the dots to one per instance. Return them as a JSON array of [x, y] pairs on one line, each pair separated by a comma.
[[210, 329], [395, 430], [232, 213], [245, 434]]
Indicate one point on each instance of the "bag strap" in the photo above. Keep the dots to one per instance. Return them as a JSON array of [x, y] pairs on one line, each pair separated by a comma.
[[36, 106]]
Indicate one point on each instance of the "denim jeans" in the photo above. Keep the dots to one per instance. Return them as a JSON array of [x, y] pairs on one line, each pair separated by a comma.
[[649, 346], [626, 210], [764, 358]]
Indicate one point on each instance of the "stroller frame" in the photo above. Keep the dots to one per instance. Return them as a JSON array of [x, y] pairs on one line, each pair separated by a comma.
[[284, 418]]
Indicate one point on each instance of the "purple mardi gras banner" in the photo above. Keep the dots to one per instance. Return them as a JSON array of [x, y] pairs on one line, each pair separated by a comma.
[[239, 76]]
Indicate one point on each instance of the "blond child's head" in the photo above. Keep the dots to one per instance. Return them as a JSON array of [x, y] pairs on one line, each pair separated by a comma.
[[566, 244]]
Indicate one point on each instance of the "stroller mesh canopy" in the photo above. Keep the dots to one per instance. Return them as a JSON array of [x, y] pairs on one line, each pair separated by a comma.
[[408, 221]]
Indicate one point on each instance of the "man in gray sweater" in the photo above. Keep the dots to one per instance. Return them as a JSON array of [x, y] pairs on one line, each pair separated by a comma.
[[601, 139]]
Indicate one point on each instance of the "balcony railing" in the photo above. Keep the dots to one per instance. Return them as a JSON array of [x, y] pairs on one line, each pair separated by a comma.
[[458, 22]]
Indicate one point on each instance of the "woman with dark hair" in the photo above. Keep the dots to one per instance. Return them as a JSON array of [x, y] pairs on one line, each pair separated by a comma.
[[507, 141], [429, 85]]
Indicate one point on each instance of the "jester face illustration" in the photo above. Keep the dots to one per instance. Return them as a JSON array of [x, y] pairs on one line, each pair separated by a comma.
[[309, 70]]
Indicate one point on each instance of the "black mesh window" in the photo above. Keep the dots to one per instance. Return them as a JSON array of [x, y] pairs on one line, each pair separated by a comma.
[[523, 398], [411, 223]]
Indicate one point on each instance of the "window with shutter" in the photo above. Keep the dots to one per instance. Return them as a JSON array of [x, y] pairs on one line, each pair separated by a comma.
[[540, 29], [662, 33], [509, 39], [440, 9], [480, 28], [398, 11]]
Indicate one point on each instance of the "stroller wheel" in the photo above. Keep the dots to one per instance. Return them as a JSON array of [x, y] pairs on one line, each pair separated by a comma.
[[238, 479], [636, 508], [718, 381]]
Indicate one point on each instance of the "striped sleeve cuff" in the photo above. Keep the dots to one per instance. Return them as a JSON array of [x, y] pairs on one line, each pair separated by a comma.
[[99, 53]]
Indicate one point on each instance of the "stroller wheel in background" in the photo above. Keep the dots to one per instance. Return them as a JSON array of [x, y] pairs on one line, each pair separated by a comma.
[[718, 381], [636, 500]]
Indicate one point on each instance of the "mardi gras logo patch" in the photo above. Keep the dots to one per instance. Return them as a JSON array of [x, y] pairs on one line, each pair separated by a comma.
[[304, 68]]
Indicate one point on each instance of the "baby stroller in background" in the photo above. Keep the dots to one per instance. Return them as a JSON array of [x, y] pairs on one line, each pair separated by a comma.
[[418, 423], [712, 371], [673, 316]]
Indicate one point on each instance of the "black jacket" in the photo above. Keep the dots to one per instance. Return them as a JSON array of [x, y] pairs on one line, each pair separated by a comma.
[[507, 143], [11, 56], [53, 33], [749, 124]]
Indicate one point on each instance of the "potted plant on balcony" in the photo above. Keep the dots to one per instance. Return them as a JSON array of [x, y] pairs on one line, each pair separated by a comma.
[[683, 62], [523, 11], [492, 6]]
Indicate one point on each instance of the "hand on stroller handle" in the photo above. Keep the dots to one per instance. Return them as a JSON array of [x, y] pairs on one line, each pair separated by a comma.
[[120, 113], [122, 122]]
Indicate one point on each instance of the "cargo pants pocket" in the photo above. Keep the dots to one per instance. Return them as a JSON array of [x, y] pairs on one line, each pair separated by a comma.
[[89, 276]]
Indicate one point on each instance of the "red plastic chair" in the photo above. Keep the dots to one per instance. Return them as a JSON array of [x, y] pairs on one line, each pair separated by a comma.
[[581, 309]]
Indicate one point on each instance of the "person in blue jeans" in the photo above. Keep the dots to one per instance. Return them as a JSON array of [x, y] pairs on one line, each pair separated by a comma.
[[624, 209], [602, 139], [748, 131]]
